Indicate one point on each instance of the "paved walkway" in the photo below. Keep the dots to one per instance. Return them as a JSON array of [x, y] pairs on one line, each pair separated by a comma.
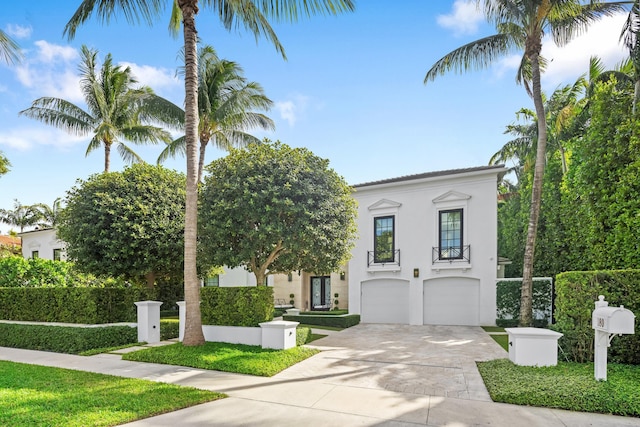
[[368, 375]]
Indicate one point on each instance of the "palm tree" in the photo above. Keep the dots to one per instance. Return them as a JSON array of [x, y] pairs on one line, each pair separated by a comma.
[[224, 101], [116, 110], [629, 35], [521, 25], [49, 215], [9, 49], [21, 216], [252, 15]]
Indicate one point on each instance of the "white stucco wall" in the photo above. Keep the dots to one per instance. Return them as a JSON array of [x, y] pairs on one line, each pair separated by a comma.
[[44, 241], [415, 202], [239, 276]]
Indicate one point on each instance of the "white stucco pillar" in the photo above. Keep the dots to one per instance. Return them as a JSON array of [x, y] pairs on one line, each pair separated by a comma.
[[416, 303], [279, 334], [182, 312], [148, 321]]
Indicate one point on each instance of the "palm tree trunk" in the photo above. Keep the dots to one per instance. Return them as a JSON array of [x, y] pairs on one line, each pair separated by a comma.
[[193, 323], [107, 156], [203, 147], [526, 297]]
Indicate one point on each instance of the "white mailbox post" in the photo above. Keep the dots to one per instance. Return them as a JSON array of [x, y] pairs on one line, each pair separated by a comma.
[[608, 322]]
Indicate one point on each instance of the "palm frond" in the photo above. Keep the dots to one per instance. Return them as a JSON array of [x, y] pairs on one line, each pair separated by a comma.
[[478, 54], [61, 114]]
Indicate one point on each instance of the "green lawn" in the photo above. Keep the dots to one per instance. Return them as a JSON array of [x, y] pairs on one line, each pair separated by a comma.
[[35, 396], [569, 386], [243, 359]]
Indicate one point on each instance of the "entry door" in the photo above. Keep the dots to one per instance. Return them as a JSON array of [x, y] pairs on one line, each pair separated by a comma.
[[320, 292]]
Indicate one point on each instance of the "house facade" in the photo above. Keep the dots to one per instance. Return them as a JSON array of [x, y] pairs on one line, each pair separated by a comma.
[[427, 249], [43, 243]]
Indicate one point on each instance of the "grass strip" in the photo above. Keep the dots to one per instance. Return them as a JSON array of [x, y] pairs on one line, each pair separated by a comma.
[[239, 358], [569, 386], [36, 396]]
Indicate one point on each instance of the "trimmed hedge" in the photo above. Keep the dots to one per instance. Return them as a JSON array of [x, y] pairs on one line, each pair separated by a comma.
[[576, 294], [65, 339], [303, 335], [72, 305], [508, 302], [344, 321], [236, 306], [169, 329]]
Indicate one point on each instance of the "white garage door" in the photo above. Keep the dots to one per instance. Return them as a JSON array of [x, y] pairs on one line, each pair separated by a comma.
[[385, 301], [452, 301]]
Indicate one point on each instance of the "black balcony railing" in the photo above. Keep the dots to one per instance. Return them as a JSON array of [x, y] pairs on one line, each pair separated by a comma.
[[451, 254], [374, 258]]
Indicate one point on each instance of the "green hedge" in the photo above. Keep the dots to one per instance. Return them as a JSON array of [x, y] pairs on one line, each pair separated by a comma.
[[72, 305], [303, 335], [16, 271], [576, 294], [236, 306], [508, 302], [65, 339], [169, 329], [344, 321]]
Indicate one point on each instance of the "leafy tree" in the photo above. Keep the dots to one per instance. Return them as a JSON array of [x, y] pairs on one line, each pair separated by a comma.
[[21, 216], [9, 49], [126, 224], [116, 110], [225, 101], [252, 15], [521, 25], [274, 209], [4, 164]]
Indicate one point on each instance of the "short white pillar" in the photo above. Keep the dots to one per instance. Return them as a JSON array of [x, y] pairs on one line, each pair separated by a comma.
[[182, 312], [148, 321], [533, 346], [279, 334], [293, 312]]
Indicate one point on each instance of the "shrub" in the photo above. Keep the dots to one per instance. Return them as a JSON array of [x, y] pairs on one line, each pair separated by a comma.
[[38, 272], [508, 302], [236, 306], [303, 334], [72, 305], [576, 294], [169, 329], [345, 321], [65, 339]]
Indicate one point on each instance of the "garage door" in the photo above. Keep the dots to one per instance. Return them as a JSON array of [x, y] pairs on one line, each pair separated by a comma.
[[385, 301], [452, 301]]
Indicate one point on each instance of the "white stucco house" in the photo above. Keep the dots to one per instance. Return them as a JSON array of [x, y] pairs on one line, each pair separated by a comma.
[[43, 243], [427, 249]]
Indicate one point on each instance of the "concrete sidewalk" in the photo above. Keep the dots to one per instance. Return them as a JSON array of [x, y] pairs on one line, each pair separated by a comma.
[[369, 375]]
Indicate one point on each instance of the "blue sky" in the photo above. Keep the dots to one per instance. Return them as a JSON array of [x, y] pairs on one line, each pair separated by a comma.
[[351, 90]]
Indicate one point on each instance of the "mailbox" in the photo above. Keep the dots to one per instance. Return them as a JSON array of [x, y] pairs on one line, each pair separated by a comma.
[[613, 320], [607, 323]]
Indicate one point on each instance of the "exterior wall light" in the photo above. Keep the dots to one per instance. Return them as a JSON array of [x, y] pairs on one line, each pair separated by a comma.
[[416, 272]]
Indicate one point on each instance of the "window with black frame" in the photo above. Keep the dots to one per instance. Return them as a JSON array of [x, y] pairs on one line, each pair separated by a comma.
[[450, 234], [384, 244]]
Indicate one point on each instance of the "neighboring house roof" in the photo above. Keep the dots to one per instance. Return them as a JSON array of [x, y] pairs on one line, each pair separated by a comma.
[[10, 241], [427, 175], [37, 230]]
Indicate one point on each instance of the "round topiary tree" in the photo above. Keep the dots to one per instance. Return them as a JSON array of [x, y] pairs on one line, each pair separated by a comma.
[[275, 209], [127, 224]]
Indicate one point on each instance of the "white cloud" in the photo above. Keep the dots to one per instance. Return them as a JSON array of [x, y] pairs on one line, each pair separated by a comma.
[[18, 31], [152, 76], [292, 109], [567, 63], [463, 19], [25, 139], [53, 53], [50, 70]]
